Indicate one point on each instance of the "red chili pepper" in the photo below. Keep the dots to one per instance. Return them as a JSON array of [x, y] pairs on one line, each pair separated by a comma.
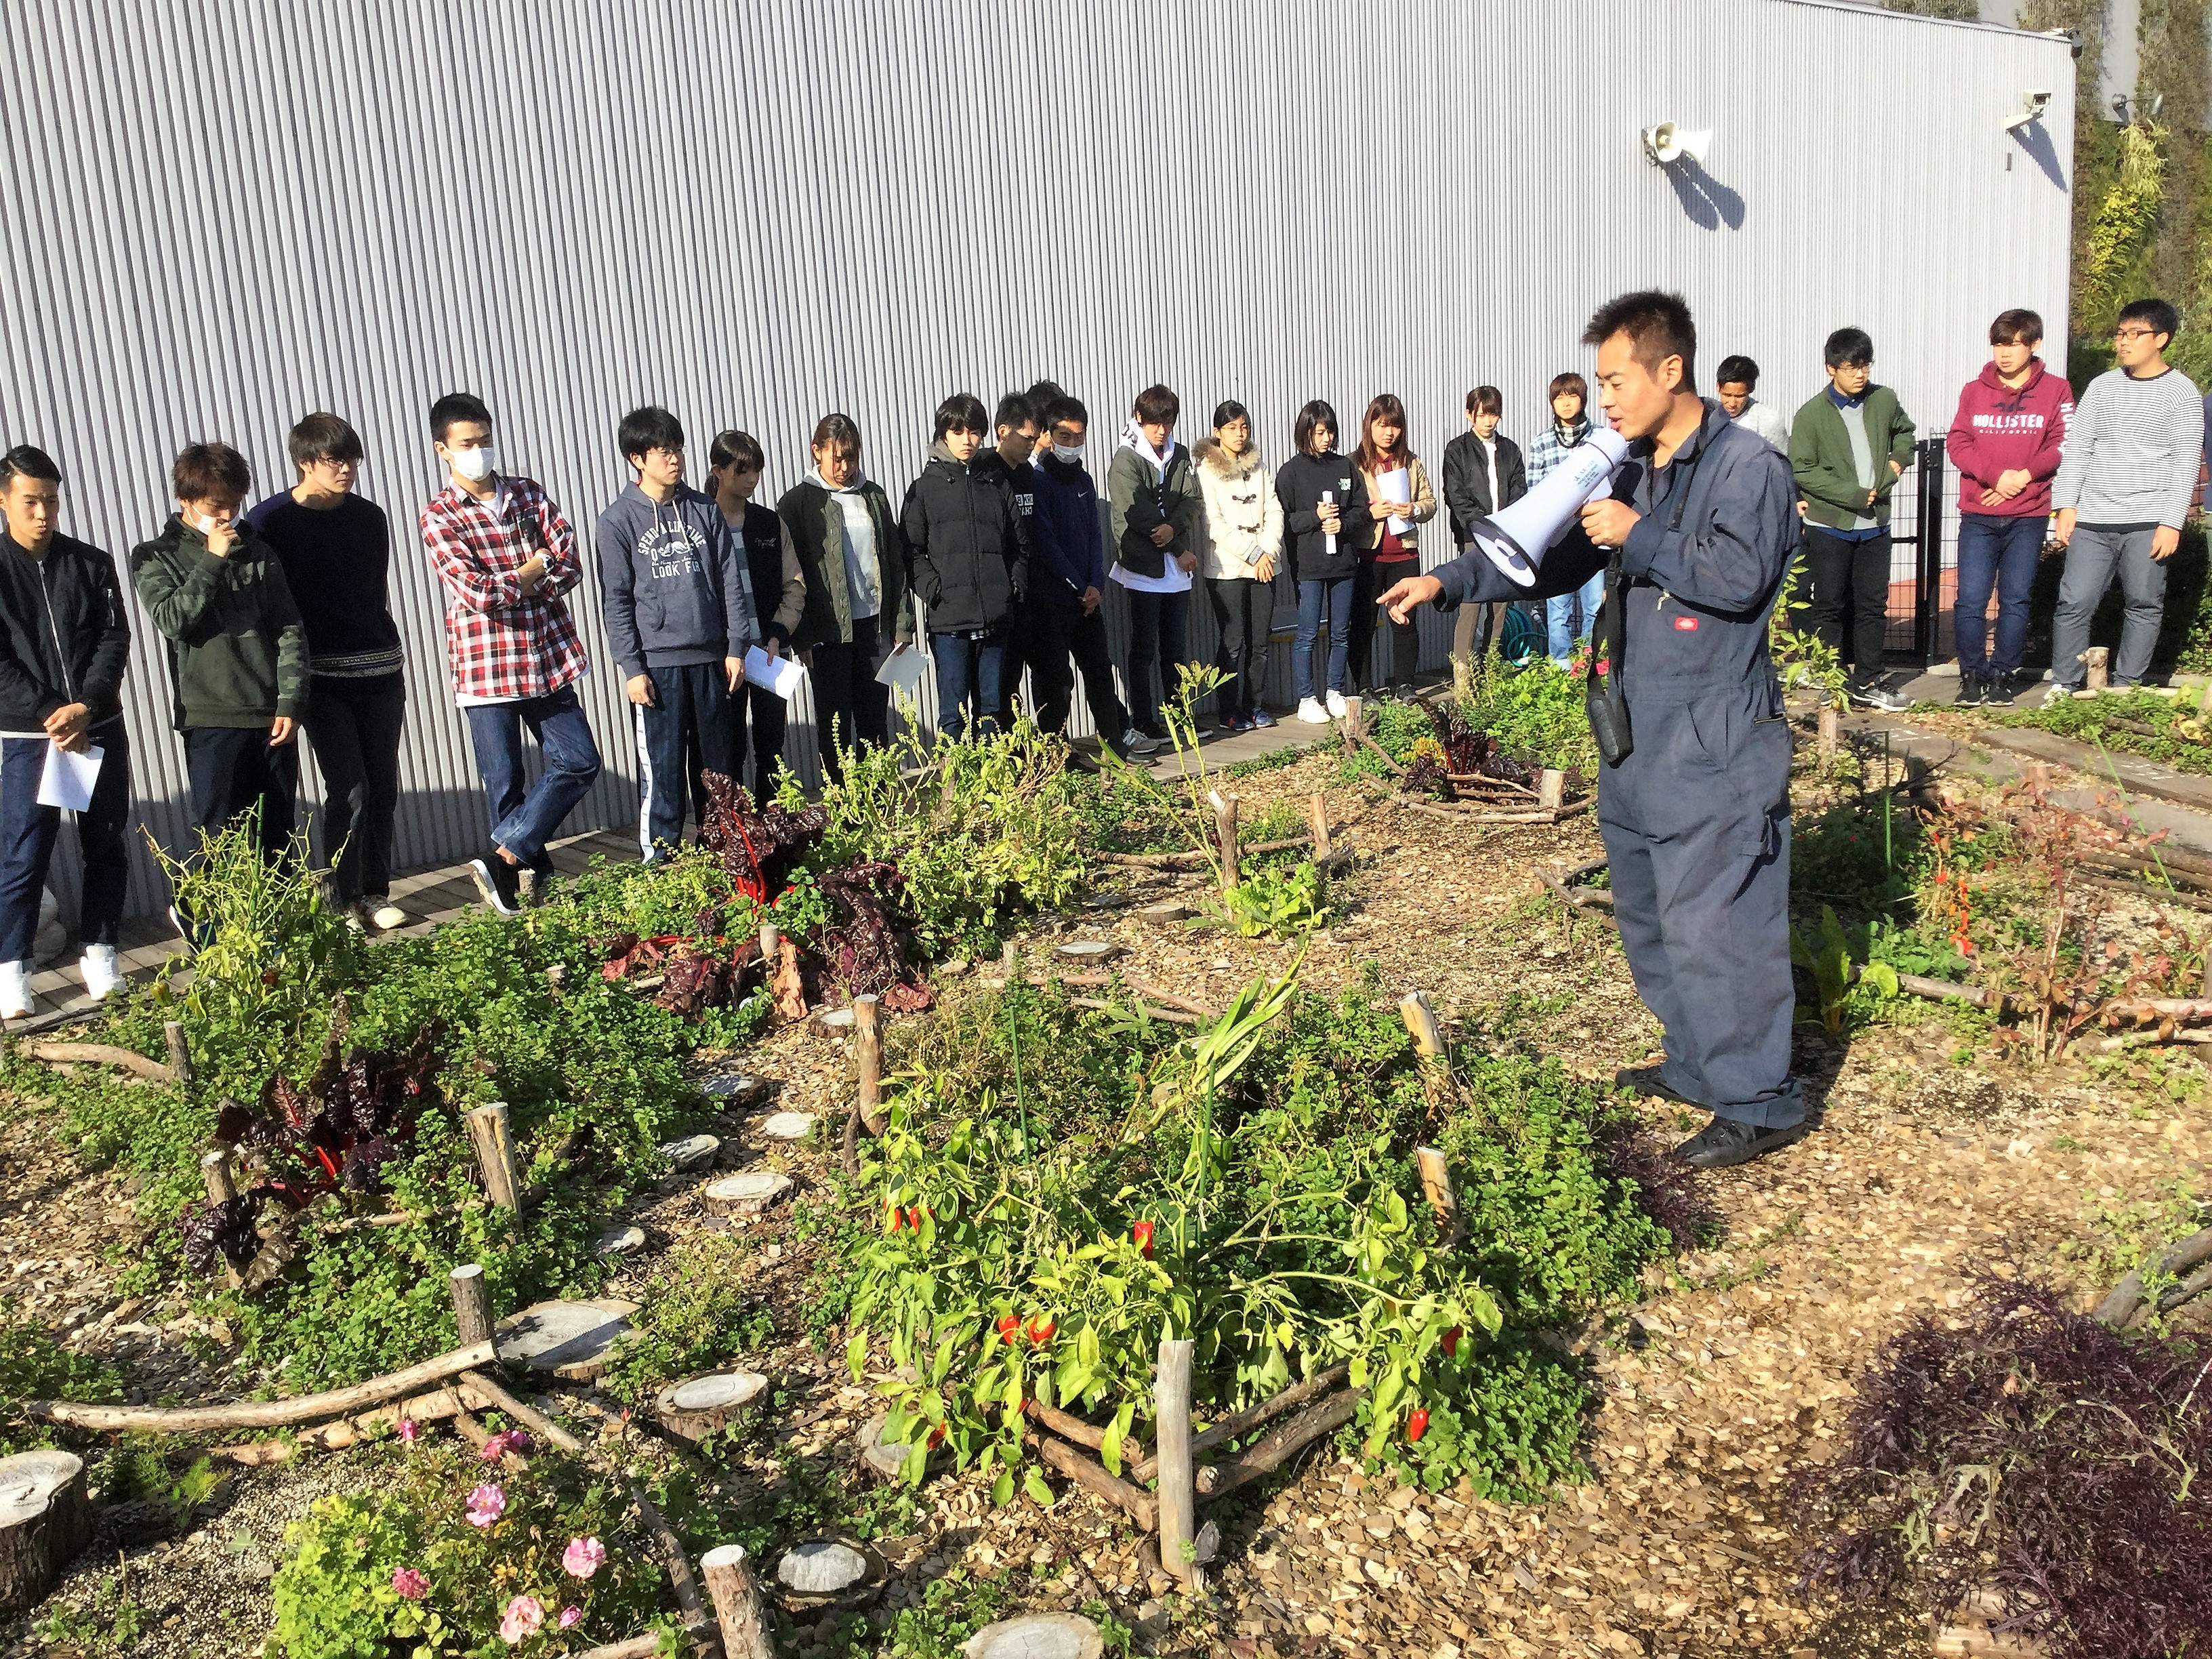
[[892, 1211], [937, 1436], [1417, 1425], [1451, 1342], [1142, 1232], [1040, 1330], [1009, 1328], [914, 1219]]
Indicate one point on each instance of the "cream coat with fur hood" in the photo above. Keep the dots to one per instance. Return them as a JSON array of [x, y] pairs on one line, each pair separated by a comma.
[[1244, 520]]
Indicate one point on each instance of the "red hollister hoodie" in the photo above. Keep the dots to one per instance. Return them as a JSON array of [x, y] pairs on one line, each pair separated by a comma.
[[1999, 430]]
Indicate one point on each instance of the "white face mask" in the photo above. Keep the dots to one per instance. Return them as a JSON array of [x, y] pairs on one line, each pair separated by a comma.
[[474, 464], [204, 525], [1068, 454]]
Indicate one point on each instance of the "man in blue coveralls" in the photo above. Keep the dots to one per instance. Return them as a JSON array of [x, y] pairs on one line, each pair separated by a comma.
[[1693, 799]]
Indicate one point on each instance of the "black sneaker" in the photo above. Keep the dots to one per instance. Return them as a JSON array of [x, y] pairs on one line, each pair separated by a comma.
[[1724, 1142], [1877, 695], [1648, 1080], [1973, 689], [2007, 683], [499, 883]]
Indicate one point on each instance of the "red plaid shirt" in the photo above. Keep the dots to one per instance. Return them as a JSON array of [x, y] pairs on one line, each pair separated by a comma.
[[498, 643]]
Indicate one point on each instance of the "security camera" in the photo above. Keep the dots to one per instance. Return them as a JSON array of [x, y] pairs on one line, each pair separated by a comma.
[[1670, 141], [2033, 103]]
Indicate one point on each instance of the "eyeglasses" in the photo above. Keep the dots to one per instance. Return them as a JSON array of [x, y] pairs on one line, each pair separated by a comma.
[[2123, 335]]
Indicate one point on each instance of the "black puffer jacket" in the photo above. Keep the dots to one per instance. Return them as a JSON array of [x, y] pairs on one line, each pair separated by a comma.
[[64, 635], [968, 544]]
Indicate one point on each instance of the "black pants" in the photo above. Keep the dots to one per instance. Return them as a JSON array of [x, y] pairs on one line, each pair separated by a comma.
[[851, 706], [692, 726], [1243, 612], [355, 727], [27, 841], [1359, 656], [236, 769], [1053, 631], [1849, 576], [770, 712]]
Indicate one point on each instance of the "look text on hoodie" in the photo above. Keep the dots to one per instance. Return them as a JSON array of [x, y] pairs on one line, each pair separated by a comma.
[[2000, 428], [967, 543], [675, 582]]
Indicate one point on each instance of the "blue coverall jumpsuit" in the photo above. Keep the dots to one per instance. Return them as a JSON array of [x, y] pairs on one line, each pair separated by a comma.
[[1696, 817]]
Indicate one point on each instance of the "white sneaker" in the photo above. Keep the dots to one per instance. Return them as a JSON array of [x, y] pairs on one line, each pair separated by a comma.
[[101, 972], [1312, 712], [1137, 742], [387, 916], [14, 989], [1336, 709]]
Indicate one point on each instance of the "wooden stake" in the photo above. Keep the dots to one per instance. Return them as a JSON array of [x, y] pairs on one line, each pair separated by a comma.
[[1437, 1186], [868, 1042], [1178, 1501], [215, 1171], [261, 1413], [1832, 732], [771, 941], [1224, 834], [495, 1148], [1551, 788], [472, 1321], [180, 1055], [2099, 659], [1317, 818], [1420, 1017], [98, 1054], [730, 1585]]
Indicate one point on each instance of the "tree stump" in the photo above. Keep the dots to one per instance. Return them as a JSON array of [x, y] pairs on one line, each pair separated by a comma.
[[181, 1053], [1085, 953], [45, 1519], [495, 1148], [822, 1570], [788, 1125], [691, 1151], [1831, 731], [1167, 910], [572, 1339], [472, 1321], [747, 1193], [1551, 789], [1037, 1635], [736, 1596], [698, 1406], [2097, 660], [1317, 820]]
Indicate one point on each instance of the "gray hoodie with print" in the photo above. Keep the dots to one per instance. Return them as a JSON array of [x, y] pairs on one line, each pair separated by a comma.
[[675, 582]]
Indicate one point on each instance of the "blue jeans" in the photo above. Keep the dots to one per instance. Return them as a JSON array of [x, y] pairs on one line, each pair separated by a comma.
[[693, 725], [1999, 553], [1559, 618], [2091, 557], [524, 817], [27, 841], [1159, 638], [1312, 597], [968, 665]]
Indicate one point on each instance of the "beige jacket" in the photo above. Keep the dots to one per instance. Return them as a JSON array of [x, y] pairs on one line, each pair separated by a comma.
[[1420, 510], [1243, 521]]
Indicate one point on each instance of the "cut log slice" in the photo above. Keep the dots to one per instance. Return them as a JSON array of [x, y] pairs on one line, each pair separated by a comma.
[[741, 1087], [1166, 911], [1086, 952], [788, 1125], [572, 1339], [1037, 1635], [747, 1193], [884, 1459], [45, 1519], [836, 1021], [693, 1409], [825, 1570], [618, 1241], [1105, 901], [691, 1151]]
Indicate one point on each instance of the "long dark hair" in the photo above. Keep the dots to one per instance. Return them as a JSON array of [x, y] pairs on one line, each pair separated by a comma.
[[1315, 414], [1383, 406]]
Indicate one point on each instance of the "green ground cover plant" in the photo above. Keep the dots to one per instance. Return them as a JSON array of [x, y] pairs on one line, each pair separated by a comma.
[[2175, 731]]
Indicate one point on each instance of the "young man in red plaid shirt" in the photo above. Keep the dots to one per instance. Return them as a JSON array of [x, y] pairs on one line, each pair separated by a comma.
[[507, 555]]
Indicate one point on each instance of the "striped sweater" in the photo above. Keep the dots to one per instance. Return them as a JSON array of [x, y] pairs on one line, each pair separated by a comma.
[[2132, 452]]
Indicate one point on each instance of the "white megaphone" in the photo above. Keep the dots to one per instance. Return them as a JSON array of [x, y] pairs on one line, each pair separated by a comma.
[[1517, 539], [1670, 141]]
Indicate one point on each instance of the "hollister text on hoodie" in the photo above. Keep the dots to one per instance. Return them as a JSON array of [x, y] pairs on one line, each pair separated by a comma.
[[2000, 428]]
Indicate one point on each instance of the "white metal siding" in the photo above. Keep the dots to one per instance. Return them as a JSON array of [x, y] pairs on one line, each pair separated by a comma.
[[224, 214]]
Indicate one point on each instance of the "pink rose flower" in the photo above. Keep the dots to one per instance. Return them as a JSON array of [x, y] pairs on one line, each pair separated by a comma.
[[409, 1583], [571, 1616], [523, 1619], [408, 1431], [486, 1504], [508, 1440], [584, 1556]]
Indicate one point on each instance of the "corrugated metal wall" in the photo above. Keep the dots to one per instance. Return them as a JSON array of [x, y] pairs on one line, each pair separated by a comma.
[[226, 213]]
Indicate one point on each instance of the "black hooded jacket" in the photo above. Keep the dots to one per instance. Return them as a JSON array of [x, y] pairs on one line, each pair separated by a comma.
[[968, 542], [64, 635]]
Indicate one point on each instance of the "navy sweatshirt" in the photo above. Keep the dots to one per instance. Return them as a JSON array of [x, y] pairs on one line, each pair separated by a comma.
[[1070, 538], [338, 563]]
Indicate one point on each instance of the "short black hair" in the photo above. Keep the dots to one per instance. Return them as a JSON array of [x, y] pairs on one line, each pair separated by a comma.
[[1044, 394], [740, 449], [1848, 346], [324, 436], [1014, 412], [25, 462], [1230, 409], [2161, 317], [1658, 326], [2017, 327], [1064, 407], [1157, 406], [644, 430], [204, 469], [962, 412], [1737, 371], [1486, 401], [1317, 413], [450, 410]]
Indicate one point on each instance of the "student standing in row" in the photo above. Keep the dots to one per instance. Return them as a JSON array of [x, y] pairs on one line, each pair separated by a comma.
[[1152, 502], [2123, 491], [1389, 543], [1484, 474], [507, 555], [1848, 447], [968, 559], [1244, 537], [846, 539], [238, 655], [734, 467], [2006, 441], [678, 602], [1014, 426], [64, 640], [1061, 617], [1569, 426], [1734, 383], [336, 551], [1322, 509]]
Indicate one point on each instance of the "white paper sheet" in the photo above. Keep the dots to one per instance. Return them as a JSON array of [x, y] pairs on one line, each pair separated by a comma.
[[780, 675], [1397, 485], [902, 671], [66, 780]]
